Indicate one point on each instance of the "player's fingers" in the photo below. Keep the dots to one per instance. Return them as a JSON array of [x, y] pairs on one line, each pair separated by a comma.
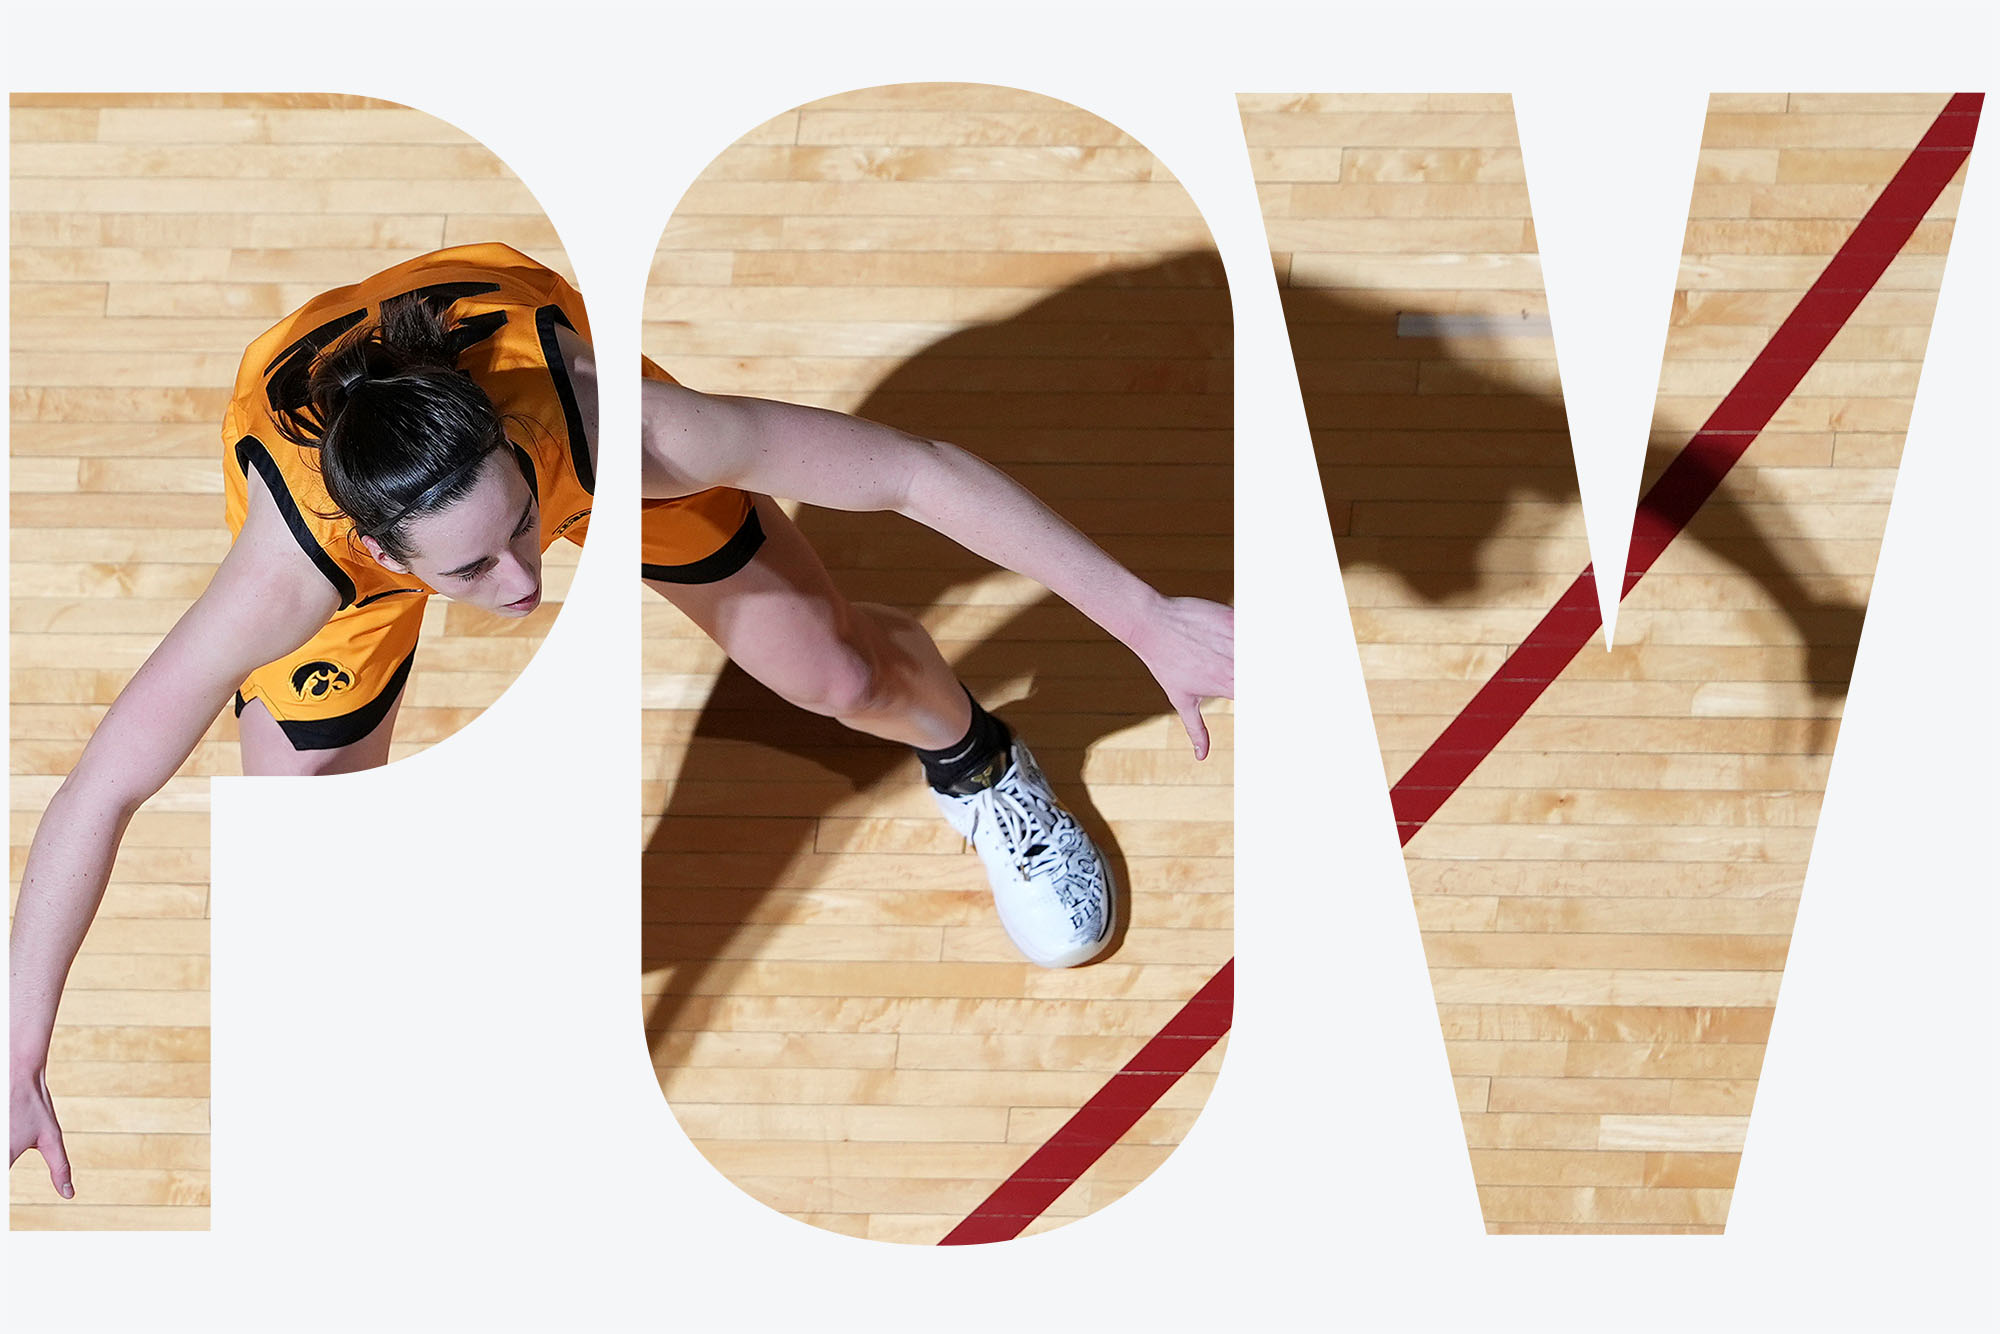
[[51, 1145], [1197, 729]]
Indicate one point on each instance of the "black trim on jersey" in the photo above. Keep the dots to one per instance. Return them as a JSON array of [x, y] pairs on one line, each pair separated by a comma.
[[547, 319], [251, 450], [438, 296], [476, 329], [733, 556], [333, 733], [385, 593], [286, 378]]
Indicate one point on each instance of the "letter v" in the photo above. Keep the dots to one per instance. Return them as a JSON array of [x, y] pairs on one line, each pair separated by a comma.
[[1606, 850]]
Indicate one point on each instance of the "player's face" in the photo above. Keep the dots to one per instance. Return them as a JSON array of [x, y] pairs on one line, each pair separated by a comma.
[[485, 548]]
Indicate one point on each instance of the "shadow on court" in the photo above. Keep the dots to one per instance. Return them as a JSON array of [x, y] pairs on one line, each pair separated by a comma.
[[1111, 400], [1444, 483]]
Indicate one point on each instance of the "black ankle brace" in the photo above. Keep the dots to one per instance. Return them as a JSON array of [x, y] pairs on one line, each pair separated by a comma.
[[977, 759]]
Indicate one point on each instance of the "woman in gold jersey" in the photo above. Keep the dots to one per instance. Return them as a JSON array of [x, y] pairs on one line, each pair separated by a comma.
[[432, 430]]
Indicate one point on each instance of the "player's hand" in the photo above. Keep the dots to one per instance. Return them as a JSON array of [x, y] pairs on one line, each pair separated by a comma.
[[1189, 644], [31, 1124]]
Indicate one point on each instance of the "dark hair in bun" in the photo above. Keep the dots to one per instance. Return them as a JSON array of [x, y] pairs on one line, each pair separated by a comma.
[[400, 431]]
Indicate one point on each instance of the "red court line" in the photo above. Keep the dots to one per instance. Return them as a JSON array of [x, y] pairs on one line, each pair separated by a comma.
[[1103, 1121], [1700, 466], [1664, 511]]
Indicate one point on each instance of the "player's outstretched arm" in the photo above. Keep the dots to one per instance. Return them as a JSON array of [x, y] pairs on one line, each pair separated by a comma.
[[266, 599], [692, 440]]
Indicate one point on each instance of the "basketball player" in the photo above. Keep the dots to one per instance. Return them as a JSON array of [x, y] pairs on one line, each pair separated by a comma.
[[432, 430]]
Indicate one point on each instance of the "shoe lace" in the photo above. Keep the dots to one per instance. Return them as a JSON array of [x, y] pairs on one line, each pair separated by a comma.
[[1037, 839]]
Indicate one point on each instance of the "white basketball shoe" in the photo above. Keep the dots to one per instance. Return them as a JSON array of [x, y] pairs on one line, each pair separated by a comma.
[[1051, 885]]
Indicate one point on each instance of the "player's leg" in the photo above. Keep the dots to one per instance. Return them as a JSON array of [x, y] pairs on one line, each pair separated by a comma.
[[780, 618], [268, 750]]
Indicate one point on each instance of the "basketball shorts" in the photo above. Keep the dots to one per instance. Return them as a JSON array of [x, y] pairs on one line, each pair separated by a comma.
[[338, 687]]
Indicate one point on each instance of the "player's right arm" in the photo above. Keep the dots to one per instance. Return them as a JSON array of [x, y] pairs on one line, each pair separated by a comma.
[[266, 599]]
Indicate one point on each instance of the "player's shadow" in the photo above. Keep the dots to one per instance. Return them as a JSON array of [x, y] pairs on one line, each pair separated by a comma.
[[1446, 471], [1111, 400]]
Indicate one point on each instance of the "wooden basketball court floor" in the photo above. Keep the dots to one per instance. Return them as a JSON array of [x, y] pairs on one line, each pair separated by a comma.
[[1606, 905], [152, 238], [835, 1015], [1607, 912]]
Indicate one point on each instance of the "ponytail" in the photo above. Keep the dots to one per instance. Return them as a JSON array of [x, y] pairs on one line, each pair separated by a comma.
[[401, 432]]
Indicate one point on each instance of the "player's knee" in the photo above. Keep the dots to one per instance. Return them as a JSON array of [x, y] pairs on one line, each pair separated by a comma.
[[846, 683]]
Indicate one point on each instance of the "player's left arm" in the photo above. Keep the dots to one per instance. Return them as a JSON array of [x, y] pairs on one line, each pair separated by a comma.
[[690, 441]]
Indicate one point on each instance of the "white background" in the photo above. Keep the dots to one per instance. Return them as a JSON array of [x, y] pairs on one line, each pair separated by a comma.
[[431, 1099]]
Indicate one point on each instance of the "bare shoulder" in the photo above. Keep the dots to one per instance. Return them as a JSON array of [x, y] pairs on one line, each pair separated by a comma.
[[266, 566]]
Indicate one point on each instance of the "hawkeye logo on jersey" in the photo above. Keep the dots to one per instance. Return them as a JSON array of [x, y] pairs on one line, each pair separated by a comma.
[[320, 679], [565, 525]]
